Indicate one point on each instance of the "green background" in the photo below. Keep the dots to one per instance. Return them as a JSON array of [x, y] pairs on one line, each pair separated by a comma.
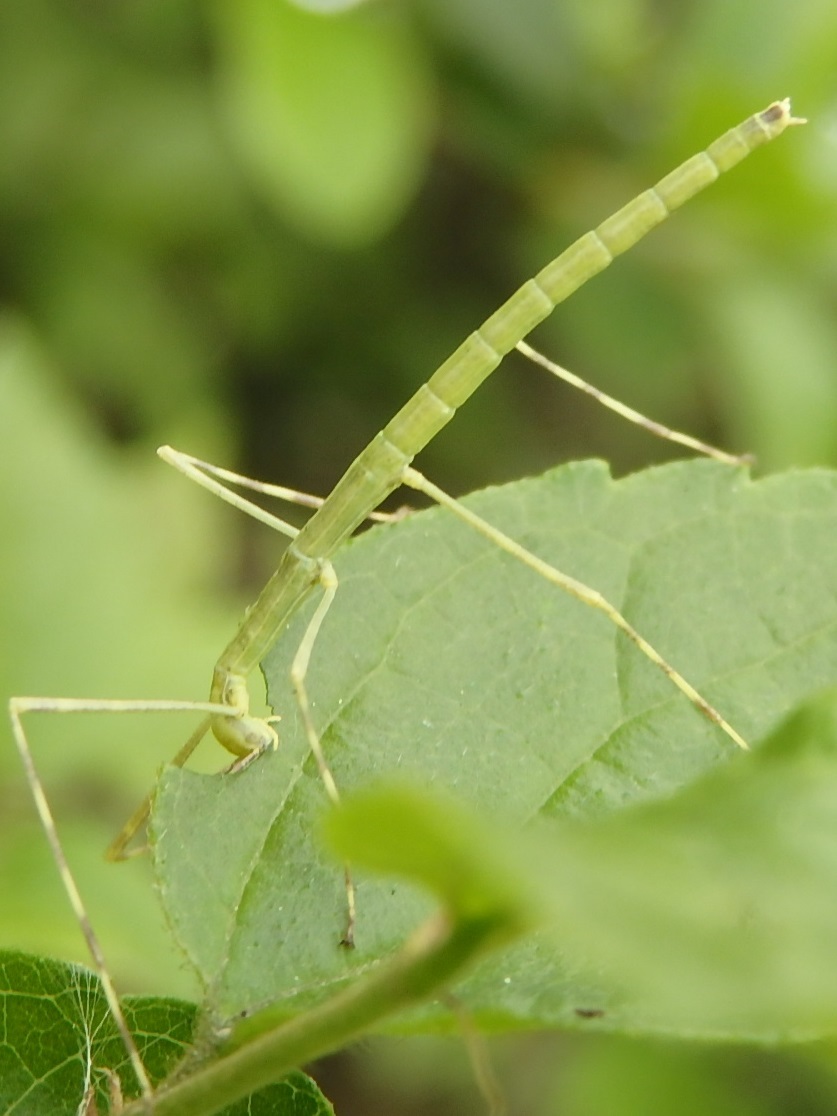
[[251, 232]]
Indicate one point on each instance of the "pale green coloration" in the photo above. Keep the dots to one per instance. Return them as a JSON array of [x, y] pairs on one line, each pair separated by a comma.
[[379, 469], [375, 473]]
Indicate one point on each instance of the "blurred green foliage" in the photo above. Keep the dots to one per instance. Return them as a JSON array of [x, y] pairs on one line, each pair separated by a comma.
[[252, 231]]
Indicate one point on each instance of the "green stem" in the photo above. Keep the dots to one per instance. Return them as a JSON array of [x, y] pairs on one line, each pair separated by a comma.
[[438, 951]]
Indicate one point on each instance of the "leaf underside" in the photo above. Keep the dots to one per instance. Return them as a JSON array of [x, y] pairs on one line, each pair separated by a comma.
[[446, 663]]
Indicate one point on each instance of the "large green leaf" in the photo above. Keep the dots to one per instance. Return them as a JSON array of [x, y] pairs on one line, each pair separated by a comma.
[[447, 663]]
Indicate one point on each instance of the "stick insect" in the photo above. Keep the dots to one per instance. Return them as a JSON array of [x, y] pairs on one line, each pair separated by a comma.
[[384, 465]]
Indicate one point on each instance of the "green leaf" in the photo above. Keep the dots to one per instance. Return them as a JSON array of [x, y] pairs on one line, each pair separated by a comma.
[[297, 1095], [58, 1040], [330, 116], [448, 664]]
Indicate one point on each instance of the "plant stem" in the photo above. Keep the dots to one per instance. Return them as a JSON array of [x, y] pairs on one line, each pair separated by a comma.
[[437, 951]]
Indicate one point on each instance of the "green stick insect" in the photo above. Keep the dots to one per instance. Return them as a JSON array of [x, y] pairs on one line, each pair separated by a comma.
[[381, 467]]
